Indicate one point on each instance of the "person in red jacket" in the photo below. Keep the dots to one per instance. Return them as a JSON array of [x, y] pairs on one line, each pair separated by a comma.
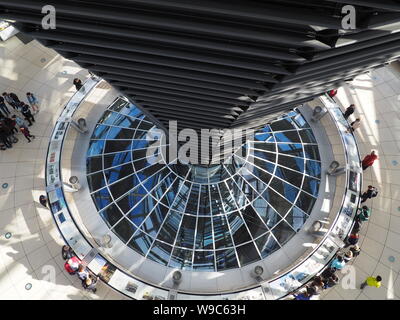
[[332, 93], [369, 160]]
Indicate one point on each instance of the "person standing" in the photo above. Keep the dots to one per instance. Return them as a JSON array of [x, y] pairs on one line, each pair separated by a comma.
[[353, 239], [369, 160], [19, 121], [364, 214], [27, 134], [372, 192], [355, 125], [27, 114], [90, 283], [14, 97], [338, 263], [349, 111], [66, 252], [4, 136], [78, 84], [33, 101], [3, 107], [10, 100], [372, 282], [355, 249], [332, 93], [43, 200], [11, 124]]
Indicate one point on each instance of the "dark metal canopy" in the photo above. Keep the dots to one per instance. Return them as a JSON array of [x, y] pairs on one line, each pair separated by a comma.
[[216, 64]]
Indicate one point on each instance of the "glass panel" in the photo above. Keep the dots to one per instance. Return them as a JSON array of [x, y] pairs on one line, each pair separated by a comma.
[[124, 230], [154, 221], [226, 259], [96, 181], [160, 252], [238, 229], [305, 202], [287, 136], [120, 133], [185, 237], [117, 173], [296, 218], [193, 199], [114, 160], [283, 232], [247, 254], [102, 198], [267, 245], [170, 228], [312, 152], [111, 215], [94, 164], [117, 146], [204, 204], [311, 186], [307, 136], [95, 148], [291, 176], [181, 259], [280, 125], [140, 243], [292, 162], [100, 132], [204, 238], [253, 222], [313, 168], [203, 261], [222, 234]]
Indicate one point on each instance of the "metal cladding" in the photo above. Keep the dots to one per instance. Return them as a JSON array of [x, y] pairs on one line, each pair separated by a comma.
[[216, 64]]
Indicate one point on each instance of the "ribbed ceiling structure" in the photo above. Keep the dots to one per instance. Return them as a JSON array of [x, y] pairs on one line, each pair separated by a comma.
[[216, 64]]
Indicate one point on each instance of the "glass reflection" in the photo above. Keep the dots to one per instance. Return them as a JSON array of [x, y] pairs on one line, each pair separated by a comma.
[[197, 217]]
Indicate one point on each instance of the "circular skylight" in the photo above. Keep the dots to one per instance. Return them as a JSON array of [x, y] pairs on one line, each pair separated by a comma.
[[196, 217]]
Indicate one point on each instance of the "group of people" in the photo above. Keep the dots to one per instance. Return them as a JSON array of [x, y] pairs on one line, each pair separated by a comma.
[[74, 266], [329, 278], [21, 116]]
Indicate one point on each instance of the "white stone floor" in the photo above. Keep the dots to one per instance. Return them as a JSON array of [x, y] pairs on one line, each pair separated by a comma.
[[377, 99], [32, 254]]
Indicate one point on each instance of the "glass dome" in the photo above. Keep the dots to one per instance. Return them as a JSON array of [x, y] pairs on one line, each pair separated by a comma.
[[203, 218]]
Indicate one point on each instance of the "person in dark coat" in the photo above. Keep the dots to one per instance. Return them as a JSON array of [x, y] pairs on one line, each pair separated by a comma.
[[14, 97], [27, 114], [4, 136], [349, 111], [11, 124], [43, 200], [78, 84], [10, 100], [66, 252], [3, 107], [372, 192]]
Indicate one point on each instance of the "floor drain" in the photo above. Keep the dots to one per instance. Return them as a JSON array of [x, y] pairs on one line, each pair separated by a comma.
[[8, 235], [43, 60], [392, 259], [28, 286], [377, 121], [395, 163], [4, 185]]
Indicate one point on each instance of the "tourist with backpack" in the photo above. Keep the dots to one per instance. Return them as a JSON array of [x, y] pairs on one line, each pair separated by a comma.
[[372, 192], [364, 213]]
